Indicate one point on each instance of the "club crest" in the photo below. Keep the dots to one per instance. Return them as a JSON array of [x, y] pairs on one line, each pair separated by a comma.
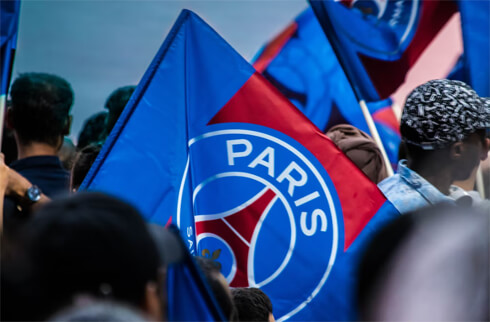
[[278, 209]]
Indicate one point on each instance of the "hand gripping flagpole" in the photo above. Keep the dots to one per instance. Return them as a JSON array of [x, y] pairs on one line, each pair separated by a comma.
[[328, 30]]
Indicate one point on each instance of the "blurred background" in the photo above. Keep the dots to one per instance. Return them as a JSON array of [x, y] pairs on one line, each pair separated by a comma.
[[100, 45]]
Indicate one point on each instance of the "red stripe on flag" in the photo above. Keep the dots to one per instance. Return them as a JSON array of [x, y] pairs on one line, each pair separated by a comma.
[[387, 76], [387, 117], [259, 102], [274, 47]]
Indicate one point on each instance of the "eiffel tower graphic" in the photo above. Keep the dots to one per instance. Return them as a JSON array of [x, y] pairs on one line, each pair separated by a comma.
[[237, 227]]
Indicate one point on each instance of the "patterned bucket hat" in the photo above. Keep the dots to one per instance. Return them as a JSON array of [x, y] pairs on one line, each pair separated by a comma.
[[441, 112]]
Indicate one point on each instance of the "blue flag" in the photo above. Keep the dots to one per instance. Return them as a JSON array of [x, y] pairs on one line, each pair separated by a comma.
[[475, 22], [378, 42], [189, 297], [9, 20], [301, 63], [208, 143]]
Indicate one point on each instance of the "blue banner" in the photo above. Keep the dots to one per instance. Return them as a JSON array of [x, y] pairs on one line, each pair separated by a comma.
[[301, 63], [9, 20], [475, 22], [188, 295], [377, 42], [208, 143]]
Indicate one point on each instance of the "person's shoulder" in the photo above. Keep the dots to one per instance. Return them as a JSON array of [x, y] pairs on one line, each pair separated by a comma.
[[392, 183]]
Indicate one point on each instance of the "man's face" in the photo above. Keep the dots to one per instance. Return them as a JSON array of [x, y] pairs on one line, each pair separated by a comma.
[[475, 149]]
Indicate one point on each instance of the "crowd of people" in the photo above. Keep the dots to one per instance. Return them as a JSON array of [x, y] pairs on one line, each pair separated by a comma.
[[85, 256]]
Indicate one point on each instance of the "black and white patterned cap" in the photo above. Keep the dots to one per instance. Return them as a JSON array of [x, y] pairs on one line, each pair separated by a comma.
[[441, 112]]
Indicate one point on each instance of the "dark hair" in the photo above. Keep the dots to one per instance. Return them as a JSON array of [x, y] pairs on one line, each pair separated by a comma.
[[93, 130], [211, 270], [400, 261], [90, 244], [116, 103], [82, 164], [40, 107], [376, 258], [252, 304], [9, 147]]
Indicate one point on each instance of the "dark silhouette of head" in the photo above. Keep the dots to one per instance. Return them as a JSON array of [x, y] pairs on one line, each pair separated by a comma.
[[219, 286], [116, 103], [93, 130], [88, 244], [40, 110], [431, 264], [443, 129], [252, 304], [82, 164]]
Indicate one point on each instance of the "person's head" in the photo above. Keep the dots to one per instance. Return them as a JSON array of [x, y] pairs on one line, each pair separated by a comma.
[[116, 103], [252, 304], [218, 285], [40, 111], [361, 149], [82, 164], [443, 126], [93, 130], [432, 264], [95, 245]]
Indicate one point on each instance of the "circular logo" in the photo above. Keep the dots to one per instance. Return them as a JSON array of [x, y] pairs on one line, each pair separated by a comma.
[[265, 209]]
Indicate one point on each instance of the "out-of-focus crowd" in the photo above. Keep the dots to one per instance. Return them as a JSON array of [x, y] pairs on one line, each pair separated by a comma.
[[69, 255]]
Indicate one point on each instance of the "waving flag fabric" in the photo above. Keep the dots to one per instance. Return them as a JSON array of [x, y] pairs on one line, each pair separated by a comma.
[[378, 42], [209, 143], [475, 22], [301, 63], [189, 298], [9, 20]]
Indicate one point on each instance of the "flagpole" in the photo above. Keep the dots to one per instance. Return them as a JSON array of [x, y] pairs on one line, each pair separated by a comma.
[[480, 185], [328, 31], [376, 137]]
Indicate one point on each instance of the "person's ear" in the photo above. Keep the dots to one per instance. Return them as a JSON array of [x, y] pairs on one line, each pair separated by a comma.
[[66, 129], [152, 305], [456, 151]]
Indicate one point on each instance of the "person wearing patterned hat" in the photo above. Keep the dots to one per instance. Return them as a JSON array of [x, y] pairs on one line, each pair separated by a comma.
[[443, 126]]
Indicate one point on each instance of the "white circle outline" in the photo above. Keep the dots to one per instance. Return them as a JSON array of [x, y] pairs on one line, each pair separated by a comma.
[[289, 211], [331, 205]]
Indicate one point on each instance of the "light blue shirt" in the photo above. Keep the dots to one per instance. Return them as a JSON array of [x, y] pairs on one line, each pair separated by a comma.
[[408, 191]]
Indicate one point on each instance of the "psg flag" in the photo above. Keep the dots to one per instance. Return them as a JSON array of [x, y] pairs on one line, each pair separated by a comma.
[[207, 143], [378, 42], [301, 63], [475, 25], [9, 22]]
